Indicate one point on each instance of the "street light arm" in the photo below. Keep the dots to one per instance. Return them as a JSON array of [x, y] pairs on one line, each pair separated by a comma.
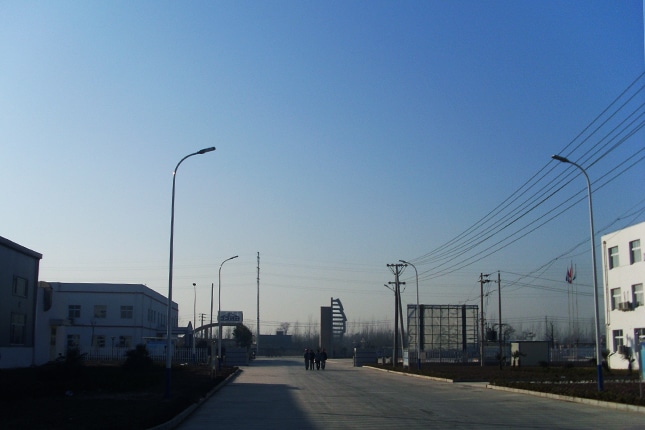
[[200, 152], [220, 266]]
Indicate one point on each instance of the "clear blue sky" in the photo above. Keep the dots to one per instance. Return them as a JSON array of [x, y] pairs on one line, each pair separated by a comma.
[[349, 135]]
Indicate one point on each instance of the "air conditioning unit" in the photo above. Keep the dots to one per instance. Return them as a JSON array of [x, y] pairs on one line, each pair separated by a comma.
[[624, 306]]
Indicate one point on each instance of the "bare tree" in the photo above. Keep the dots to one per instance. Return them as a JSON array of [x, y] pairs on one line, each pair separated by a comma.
[[284, 326]]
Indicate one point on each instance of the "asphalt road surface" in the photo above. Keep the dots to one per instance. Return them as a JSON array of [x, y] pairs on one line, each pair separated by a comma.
[[278, 393]]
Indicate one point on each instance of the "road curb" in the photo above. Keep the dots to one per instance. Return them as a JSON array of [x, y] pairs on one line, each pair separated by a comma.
[[593, 402], [173, 423], [411, 375]]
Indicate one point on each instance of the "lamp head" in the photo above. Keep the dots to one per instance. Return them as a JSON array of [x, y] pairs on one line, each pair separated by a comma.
[[561, 159], [205, 150]]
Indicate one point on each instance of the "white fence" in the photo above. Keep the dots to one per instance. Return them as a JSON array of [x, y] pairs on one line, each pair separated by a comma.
[[180, 355], [582, 354], [233, 357]]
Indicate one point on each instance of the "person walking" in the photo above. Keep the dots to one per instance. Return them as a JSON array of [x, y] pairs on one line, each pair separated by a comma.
[[317, 359], [306, 358], [323, 358], [312, 356]]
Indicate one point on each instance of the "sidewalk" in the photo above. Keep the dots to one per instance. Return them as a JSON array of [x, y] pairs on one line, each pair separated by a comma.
[[263, 395]]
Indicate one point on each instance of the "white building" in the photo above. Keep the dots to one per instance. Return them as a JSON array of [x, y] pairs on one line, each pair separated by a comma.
[[18, 288], [624, 275], [98, 318]]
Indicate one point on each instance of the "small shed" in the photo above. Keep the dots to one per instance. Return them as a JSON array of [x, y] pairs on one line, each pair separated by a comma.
[[529, 352]]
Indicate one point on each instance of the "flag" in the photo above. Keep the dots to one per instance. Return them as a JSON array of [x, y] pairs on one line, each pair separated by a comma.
[[571, 274]]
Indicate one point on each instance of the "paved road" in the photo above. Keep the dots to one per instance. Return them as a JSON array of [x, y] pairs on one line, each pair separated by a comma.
[[281, 394]]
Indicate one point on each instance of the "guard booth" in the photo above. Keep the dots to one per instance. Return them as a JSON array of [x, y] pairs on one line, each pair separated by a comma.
[[529, 352]]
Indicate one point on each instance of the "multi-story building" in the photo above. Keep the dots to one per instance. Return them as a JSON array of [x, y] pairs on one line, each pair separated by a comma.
[[624, 276], [18, 291], [99, 318]]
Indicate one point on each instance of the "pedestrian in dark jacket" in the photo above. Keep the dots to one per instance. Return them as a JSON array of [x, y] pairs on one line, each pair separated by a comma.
[[323, 358], [306, 358], [312, 356], [317, 359]]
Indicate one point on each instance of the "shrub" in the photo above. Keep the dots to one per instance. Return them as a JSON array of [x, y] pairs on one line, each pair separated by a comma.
[[138, 359]]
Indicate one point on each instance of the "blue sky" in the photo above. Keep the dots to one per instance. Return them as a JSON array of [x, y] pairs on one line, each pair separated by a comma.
[[349, 135]]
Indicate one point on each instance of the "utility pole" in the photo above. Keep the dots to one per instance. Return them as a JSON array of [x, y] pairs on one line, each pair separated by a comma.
[[397, 269], [257, 327], [499, 309], [482, 281]]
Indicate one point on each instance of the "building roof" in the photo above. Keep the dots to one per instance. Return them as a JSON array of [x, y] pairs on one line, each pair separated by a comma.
[[91, 287], [19, 248]]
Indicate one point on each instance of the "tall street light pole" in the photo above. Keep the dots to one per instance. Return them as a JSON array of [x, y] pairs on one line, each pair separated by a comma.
[[169, 311], [416, 275], [219, 311], [593, 267]]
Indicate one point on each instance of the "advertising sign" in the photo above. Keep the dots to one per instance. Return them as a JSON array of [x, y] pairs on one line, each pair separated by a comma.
[[230, 317], [642, 363]]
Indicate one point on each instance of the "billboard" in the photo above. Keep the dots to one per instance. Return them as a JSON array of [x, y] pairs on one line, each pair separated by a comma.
[[230, 317]]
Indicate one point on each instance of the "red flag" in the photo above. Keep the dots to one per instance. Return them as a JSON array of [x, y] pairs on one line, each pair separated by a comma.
[[571, 274]]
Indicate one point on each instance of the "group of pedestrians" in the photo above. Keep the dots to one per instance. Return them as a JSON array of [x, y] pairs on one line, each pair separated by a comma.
[[315, 358]]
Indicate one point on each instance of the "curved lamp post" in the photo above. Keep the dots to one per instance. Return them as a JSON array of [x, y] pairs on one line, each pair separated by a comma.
[[172, 231], [593, 266], [416, 274], [219, 311]]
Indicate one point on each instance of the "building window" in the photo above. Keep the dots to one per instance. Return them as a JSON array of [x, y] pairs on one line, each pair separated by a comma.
[[19, 287], [639, 337], [125, 341], [17, 331], [127, 312], [74, 311], [618, 339], [635, 251], [613, 257], [615, 298], [100, 311], [637, 295], [73, 341], [98, 341]]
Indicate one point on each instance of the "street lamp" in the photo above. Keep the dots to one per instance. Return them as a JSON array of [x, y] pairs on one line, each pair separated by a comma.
[[172, 231], [194, 318], [593, 267], [416, 274], [219, 311]]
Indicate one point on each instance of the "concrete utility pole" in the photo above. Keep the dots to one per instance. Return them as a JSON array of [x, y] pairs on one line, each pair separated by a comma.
[[482, 281], [499, 307], [257, 328], [397, 269]]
